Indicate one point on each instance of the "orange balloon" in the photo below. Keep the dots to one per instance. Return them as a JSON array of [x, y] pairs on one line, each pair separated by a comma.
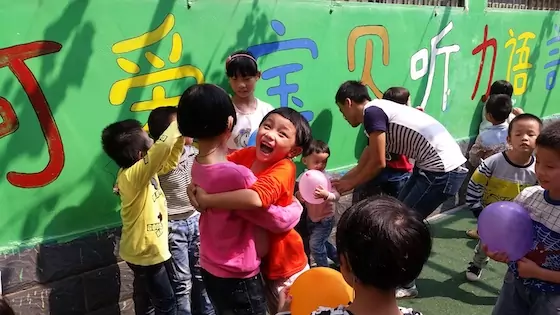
[[319, 286]]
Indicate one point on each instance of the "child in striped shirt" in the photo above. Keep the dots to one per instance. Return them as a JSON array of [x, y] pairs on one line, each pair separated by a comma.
[[503, 176], [184, 236]]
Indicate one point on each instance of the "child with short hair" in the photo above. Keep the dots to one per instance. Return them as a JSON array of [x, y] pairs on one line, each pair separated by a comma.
[[320, 217], [498, 87], [243, 73], [494, 138], [231, 242], [382, 245], [532, 284], [184, 238], [283, 134], [397, 169], [144, 239], [502, 177]]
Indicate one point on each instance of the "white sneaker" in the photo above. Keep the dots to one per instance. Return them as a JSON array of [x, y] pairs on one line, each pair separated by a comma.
[[473, 272], [404, 293]]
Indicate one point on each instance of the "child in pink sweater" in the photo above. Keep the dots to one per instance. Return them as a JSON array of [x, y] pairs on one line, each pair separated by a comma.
[[231, 242]]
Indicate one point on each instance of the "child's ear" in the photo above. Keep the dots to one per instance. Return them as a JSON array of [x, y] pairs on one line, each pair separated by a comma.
[[230, 123], [295, 152], [258, 75]]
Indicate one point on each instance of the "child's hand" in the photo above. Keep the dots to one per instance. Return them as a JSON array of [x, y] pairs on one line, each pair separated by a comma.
[[321, 193], [517, 111], [528, 269], [193, 198], [284, 300], [496, 256]]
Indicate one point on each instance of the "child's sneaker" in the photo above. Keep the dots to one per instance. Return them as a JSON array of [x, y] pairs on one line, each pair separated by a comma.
[[473, 234], [404, 293], [473, 272]]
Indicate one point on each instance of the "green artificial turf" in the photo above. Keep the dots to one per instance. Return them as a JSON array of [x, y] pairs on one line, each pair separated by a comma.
[[443, 288]]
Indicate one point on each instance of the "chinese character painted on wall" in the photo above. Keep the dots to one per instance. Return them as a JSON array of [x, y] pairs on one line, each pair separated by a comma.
[[367, 72], [284, 89], [14, 59], [551, 75], [482, 48], [159, 73], [520, 68], [428, 65]]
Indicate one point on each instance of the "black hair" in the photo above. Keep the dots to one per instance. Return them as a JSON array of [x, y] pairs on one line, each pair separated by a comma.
[[317, 146], [501, 87], [397, 94], [239, 65], [5, 308], [524, 116], [499, 107], [384, 242], [550, 137], [354, 90], [203, 111], [159, 120], [123, 141], [303, 131]]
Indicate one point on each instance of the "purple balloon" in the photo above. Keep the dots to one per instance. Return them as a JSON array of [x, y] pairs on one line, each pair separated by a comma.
[[506, 226]]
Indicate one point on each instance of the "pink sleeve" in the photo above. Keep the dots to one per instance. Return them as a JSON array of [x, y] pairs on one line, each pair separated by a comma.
[[275, 219]]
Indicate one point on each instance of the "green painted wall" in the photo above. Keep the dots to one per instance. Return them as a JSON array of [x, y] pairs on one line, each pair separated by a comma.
[[58, 94]]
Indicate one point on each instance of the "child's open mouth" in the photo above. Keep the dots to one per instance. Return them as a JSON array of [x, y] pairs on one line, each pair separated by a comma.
[[266, 149]]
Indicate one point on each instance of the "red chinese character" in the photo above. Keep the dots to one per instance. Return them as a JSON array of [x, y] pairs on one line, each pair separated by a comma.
[[482, 48], [14, 58]]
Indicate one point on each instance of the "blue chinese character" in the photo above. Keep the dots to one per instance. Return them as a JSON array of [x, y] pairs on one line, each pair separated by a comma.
[[284, 89], [551, 76]]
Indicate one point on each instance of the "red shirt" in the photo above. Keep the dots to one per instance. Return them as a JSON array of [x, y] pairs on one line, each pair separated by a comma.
[[399, 162], [275, 185]]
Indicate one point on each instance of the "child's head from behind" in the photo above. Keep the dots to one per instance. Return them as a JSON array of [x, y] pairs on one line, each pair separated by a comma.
[[206, 113], [501, 87], [351, 98], [316, 156], [498, 108], [160, 118], [283, 133], [242, 72], [398, 95], [5, 308], [523, 131], [548, 158], [125, 142], [382, 244]]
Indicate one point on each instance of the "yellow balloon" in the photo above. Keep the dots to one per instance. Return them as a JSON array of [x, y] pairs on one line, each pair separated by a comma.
[[319, 286]]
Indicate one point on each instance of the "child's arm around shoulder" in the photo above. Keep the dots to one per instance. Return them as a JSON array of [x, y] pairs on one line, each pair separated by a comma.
[[142, 171], [262, 194]]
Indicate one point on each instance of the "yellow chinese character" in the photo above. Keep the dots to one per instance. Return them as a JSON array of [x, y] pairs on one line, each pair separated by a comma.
[[120, 89], [367, 73], [523, 53]]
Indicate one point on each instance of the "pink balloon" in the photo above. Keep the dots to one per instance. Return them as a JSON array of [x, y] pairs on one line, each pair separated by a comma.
[[309, 182]]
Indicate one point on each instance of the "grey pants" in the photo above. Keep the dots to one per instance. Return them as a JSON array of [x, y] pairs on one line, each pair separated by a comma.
[[516, 299], [480, 259]]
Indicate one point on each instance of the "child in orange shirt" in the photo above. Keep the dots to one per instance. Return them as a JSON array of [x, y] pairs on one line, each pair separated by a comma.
[[282, 135]]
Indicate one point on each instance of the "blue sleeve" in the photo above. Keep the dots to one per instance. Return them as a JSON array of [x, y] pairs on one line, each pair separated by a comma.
[[375, 120]]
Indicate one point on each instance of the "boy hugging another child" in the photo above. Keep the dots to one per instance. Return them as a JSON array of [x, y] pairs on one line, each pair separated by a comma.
[[282, 135], [532, 284], [502, 176]]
